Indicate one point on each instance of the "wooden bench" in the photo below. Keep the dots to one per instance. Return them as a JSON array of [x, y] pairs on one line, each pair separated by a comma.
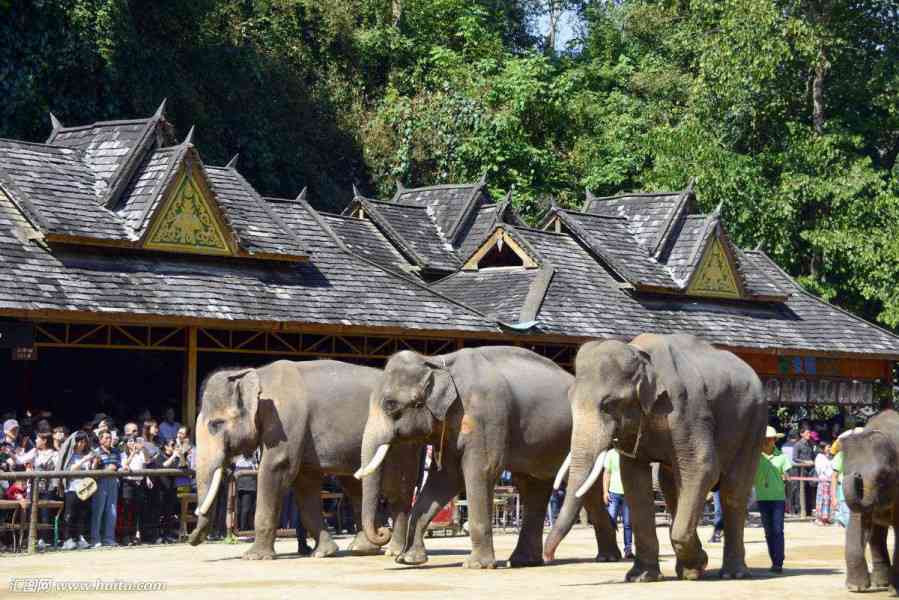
[[18, 521]]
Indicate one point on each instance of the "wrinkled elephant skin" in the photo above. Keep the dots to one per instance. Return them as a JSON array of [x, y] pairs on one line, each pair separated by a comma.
[[308, 419]]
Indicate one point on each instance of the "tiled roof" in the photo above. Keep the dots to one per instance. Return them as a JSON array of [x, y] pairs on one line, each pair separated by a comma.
[[144, 193], [259, 230], [412, 228], [335, 288], [647, 214], [363, 238], [56, 190], [584, 300], [448, 205]]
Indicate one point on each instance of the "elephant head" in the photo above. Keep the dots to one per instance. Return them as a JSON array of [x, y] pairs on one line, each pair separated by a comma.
[[226, 426], [870, 471], [415, 395], [614, 388]]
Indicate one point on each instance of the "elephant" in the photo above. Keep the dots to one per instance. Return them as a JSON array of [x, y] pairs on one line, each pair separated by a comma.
[[871, 490], [308, 418], [483, 410], [676, 400]]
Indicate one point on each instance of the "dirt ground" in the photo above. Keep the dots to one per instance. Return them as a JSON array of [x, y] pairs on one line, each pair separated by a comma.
[[814, 568]]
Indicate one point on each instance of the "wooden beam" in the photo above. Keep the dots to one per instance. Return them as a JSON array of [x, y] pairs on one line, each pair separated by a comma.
[[189, 403]]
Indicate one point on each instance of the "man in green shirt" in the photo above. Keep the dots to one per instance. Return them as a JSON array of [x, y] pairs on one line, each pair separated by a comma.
[[613, 494], [769, 490]]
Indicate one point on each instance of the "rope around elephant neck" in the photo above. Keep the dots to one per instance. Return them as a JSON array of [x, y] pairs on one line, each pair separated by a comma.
[[633, 453], [440, 450]]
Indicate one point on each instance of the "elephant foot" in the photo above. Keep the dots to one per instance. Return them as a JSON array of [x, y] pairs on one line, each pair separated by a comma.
[[393, 550], [360, 546], [741, 572], [522, 559], [413, 556], [641, 573], [694, 569], [604, 556], [325, 549], [259, 553], [881, 578], [479, 562], [858, 582]]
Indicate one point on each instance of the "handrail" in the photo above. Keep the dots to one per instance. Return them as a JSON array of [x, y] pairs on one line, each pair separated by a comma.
[[81, 474]]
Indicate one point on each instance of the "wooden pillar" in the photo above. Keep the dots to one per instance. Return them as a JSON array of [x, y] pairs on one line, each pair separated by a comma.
[[189, 402]]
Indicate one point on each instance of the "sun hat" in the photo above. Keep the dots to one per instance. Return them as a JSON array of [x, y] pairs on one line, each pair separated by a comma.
[[770, 432], [9, 425]]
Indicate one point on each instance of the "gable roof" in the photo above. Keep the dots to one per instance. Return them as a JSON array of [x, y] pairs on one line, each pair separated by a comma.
[[103, 184], [364, 239], [448, 205]]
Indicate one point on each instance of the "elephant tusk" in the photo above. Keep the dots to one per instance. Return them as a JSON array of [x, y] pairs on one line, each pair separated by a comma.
[[211, 493], [562, 471], [594, 475], [376, 461]]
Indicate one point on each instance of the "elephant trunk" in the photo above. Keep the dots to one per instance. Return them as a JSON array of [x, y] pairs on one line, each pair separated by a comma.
[[587, 445], [210, 472], [375, 444]]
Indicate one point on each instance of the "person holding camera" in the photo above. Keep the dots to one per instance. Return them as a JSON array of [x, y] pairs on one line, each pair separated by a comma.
[[132, 489]]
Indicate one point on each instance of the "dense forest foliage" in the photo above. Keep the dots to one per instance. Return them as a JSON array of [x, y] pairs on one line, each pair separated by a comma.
[[784, 111]]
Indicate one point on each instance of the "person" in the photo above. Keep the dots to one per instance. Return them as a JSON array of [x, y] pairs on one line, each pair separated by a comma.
[[837, 499], [246, 492], [60, 433], [130, 430], [804, 463], [769, 490], [132, 490], [168, 495], [103, 502], [719, 516], [76, 509], [186, 458], [43, 458], [613, 495], [150, 509], [11, 434], [824, 472], [168, 429]]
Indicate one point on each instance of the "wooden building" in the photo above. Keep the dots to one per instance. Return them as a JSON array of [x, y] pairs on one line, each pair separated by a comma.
[[115, 237]]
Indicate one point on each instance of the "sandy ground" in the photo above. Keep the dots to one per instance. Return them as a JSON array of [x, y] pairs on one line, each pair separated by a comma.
[[814, 569]]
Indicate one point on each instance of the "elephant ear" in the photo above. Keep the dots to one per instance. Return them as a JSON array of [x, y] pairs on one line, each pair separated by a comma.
[[440, 390], [249, 389], [649, 388]]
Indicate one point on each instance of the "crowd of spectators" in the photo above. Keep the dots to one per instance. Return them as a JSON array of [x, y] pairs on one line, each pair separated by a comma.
[[102, 511]]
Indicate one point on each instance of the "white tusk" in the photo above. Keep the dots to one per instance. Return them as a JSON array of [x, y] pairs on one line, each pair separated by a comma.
[[594, 475], [376, 461], [562, 471], [211, 493]]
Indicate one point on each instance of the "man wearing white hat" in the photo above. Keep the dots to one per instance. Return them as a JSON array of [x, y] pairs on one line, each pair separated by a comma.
[[769, 489]]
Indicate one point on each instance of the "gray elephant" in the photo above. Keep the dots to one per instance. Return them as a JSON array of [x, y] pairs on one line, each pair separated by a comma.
[[871, 489], [308, 418], [676, 400], [483, 410]]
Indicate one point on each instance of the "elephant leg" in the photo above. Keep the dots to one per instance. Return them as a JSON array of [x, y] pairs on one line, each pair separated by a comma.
[[606, 543], [734, 498], [880, 557], [479, 484], [438, 491], [309, 499], [399, 502], [534, 495], [359, 546], [696, 479], [273, 481], [857, 577], [637, 480]]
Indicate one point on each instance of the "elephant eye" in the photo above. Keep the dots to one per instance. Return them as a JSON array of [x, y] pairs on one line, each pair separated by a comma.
[[215, 425], [391, 406]]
